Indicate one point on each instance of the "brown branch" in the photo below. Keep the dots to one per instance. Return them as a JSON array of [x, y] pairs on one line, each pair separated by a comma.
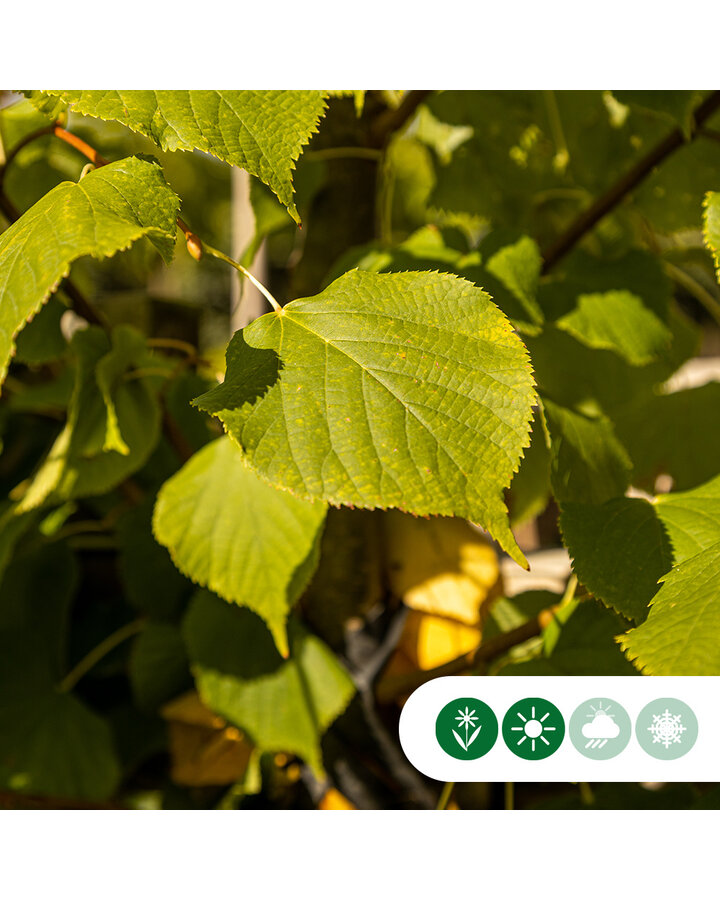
[[710, 133], [14, 800], [604, 204], [80, 145], [174, 434], [393, 119], [8, 208], [23, 142], [81, 305], [391, 688]]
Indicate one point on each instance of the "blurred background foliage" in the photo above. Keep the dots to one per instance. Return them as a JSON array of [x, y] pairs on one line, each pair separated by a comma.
[[103, 643]]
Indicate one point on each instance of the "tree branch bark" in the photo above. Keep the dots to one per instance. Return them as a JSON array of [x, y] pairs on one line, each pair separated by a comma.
[[394, 119], [604, 204]]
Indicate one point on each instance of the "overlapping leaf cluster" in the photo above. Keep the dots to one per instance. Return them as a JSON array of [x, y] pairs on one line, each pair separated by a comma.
[[213, 556]]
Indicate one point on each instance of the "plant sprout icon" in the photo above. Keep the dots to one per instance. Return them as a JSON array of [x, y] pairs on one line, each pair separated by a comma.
[[533, 729], [468, 719]]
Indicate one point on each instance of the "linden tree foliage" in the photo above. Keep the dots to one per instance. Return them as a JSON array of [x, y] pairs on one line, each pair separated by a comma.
[[407, 391], [263, 132], [237, 528], [215, 514], [103, 213]]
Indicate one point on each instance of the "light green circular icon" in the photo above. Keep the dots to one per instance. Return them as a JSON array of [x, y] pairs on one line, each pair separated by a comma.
[[533, 728], [600, 728], [666, 728], [466, 728]]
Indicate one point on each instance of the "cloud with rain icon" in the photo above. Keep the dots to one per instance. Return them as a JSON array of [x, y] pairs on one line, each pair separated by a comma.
[[601, 729]]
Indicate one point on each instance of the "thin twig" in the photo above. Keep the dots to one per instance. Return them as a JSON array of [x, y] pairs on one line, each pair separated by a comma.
[[174, 344], [604, 204], [695, 289], [218, 254], [174, 434], [82, 306], [80, 145], [23, 142], [97, 653]]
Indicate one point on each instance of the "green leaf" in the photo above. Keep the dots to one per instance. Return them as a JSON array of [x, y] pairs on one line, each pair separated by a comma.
[[711, 227], [53, 745], [37, 589], [583, 377], [158, 665], [681, 636], [105, 212], [283, 705], [518, 267], [587, 462], [677, 434], [585, 646], [444, 139], [357, 96], [247, 541], [41, 340], [637, 271], [531, 153], [692, 518], [80, 463], [402, 390], [12, 529], [619, 551], [676, 107], [129, 350], [151, 581], [270, 217], [530, 490], [260, 131], [50, 742], [618, 321]]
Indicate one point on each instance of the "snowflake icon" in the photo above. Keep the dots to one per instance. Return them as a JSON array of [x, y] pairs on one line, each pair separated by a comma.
[[667, 729]]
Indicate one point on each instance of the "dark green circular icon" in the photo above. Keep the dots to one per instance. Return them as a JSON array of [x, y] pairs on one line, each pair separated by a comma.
[[533, 728], [466, 728]]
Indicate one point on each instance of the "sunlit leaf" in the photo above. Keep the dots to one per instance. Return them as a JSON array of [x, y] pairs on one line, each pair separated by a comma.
[[407, 390], [260, 131], [249, 542], [106, 211]]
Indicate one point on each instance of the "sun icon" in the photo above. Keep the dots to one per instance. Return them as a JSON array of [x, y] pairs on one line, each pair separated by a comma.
[[533, 728]]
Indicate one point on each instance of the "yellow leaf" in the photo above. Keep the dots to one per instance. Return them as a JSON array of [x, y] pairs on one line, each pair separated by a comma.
[[442, 566], [204, 749], [429, 641], [333, 799]]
